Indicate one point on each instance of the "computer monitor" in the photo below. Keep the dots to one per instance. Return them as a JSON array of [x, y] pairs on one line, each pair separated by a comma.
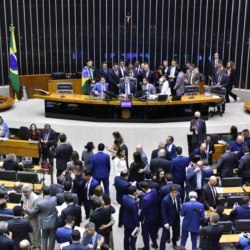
[[58, 75], [28, 177], [191, 89], [141, 93], [162, 97], [7, 175], [109, 95]]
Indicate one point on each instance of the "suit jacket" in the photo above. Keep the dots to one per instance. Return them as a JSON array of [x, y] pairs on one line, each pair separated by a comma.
[[209, 148], [172, 81], [114, 80], [168, 211], [191, 179], [63, 154], [46, 212], [179, 164], [244, 166], [89, 189], [104, 74], [152, 184], [195, 79], [73, 210], [130, 215], [60, 197], [122, 187], [56, 189], [165, 190], [154, 154], [150, 89], [100, 165], [132, 88], [179, 84], [226, 164], [51, 139], [6, 243], [30, 202], [221, 78], [210, 237], [123, 71], [149, 208], [235, 147], [20, 229], [86, 240], [207, 197], [160, 162], [192, 211], [98, 87], [202, 131], [150, 75], [75, 246], [240, 212], [195, 152], [172, 151]]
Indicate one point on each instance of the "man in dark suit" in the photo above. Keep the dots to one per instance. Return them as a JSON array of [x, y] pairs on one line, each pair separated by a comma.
[[154, 153], [244, 166], [227, 162], [57, 188], [221, 77], [146, 72], [47, 139], [179, 164], [237, 146], [209, 149], [170, 147], [127, 87], [60, 196], [100, 167], [193, 212], [210, 235], [76, 245], [130, 218], [63, 154], [47, 218], [114, 79], [245, 134], [90, 235], [201, 151], [122, 186], [148, 178], [160, 162], [209, 194], [241, 212], [195, 178], [214, 66], [198, 127], [149, 216], [170, 217], [123, 69], [172, 75], [6, 241], [104, 71], [72, 210], [91, 184], [19, 227]]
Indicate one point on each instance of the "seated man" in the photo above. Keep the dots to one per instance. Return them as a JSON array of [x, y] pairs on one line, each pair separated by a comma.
[[148, 86], [99, 87], [127, 87]]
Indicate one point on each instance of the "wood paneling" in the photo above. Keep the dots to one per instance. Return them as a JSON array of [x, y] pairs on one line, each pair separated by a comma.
[[77, 85]]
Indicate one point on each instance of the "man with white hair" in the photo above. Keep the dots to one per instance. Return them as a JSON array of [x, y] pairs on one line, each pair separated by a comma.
[[24, 245], [6, 241], [161, 145], [193, 212], [29, 199], [198, 127]]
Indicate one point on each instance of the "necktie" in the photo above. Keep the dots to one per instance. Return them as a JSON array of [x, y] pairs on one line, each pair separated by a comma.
[[126, 89], [175, 206], [214, 195]]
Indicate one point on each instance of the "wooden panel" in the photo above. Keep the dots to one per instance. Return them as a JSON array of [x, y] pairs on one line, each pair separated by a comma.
[[229, 190], [19, 148], [11, 184], [229, 238], [32, 82], [219, 149], [77, 85]]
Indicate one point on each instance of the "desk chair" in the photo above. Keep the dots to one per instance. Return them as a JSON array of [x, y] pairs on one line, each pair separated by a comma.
[[8, 175], [242, 225], [231, 181], [28, 177], [15, 198], [221, 92], [228, 226]]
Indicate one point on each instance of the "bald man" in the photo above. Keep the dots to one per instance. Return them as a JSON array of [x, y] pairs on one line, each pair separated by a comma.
[[238, 145], [144, 157], [24, 245], [209, 194]]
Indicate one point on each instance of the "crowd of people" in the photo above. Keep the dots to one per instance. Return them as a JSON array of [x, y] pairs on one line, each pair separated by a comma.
[[152, 192], [169, 78]]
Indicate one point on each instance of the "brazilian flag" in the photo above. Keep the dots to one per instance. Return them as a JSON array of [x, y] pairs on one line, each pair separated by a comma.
[[14, 77]]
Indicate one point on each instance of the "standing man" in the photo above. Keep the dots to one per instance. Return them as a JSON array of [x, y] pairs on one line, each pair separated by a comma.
[[214, 65], [29, 199], [104, 71], [114, 78], [210, 235], [172, 75], [170, 147], [179, 84], [149, 215], [170, 217], [193, 212], [198, 127], [63, 154], [47, 218], [209, 149], [100, 167], [130, 218], [244, 166], [144, 157]]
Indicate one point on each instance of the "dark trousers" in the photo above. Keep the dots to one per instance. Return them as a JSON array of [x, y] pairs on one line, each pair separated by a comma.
[[149, 230], [86, 204], [166, 234], [184, 236], [105, 182], [129, 240], [121, 210], [230, 93], [46, 155]]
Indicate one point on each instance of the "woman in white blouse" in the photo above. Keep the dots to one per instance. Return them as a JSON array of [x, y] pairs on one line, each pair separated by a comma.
[[165, 88], [120, 162]]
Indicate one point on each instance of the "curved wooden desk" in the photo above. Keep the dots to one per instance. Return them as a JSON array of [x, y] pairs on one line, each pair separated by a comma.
[[247, 106], [5, 102], [84, 107]]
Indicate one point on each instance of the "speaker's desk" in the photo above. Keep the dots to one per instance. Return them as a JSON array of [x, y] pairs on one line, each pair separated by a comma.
[[84, 107]]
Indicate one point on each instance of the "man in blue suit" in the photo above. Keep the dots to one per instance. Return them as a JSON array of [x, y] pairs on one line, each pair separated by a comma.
[[122, 186], [130, 218], [221, 77], [76, 245], [179, 164], [193, 212], [100, 167], [237, 146], [241, 212], [170, 147], [91, 184], [100, 87], [149, 216], [170, 217]]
